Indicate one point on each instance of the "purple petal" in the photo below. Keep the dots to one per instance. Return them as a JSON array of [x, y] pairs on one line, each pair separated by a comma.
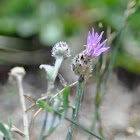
[[94, 47], [88, 53], [97, 53], [95, 38], [102, 44], [88, 40], [92, 33], [100, 37], [91, 49]]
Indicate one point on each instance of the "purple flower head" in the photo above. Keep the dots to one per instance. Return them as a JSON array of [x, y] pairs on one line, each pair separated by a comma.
[[94, 47]]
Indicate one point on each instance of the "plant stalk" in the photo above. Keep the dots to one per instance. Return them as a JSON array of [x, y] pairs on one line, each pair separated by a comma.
[[48, 93], [80, 87], [100, 94], [22, 101]]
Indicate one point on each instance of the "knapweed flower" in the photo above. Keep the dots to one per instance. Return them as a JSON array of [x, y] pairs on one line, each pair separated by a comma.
[[61, 49], [94, 47], [82, 63]]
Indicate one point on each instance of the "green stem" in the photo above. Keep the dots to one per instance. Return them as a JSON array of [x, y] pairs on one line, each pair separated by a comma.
[[95, 119], [57, 66], [99, 97], [45, 116], [78, 99], [84, 128], [50, 87], [56, 107], [111, 64]]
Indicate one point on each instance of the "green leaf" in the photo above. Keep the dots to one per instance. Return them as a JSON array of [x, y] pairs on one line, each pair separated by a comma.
[[72, 107], [65, 97], [5, 132], [64, 110], [65, 102], [49, 71], [61, 111], [56, 105], [42, 104], [1, 134], [10, 122], [51, 131]]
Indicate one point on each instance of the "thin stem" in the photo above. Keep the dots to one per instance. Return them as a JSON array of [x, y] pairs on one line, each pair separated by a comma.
[[56, 107], [61, 91], [50, 87], [79, 92], [111, 64], [25, 118], [45, 117], [57, 66], [33, 105], [31, 122], [37, 112], [71, 85], [16, 130], [99, 96], [84, 128], [94, 122], [100, 126], [77, 124]]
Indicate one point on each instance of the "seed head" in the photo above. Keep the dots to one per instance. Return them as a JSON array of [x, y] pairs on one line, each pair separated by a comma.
[[61, 49]]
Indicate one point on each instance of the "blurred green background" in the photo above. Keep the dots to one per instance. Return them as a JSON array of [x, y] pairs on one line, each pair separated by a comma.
[[29, 28]]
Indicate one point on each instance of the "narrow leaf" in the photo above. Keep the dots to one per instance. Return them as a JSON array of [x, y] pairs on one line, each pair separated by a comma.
[[10, 122], [42, 104], [65, 102], [5, 132]]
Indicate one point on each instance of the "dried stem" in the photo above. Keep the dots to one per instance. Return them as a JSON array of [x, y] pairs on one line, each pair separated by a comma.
[[16, 130], [25, 118], [37, 112], [43, 98], [31, 122], [30, 107]]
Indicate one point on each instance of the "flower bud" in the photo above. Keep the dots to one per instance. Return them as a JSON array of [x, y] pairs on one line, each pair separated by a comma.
[[82, 64], [17, 71], [61, 49]]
